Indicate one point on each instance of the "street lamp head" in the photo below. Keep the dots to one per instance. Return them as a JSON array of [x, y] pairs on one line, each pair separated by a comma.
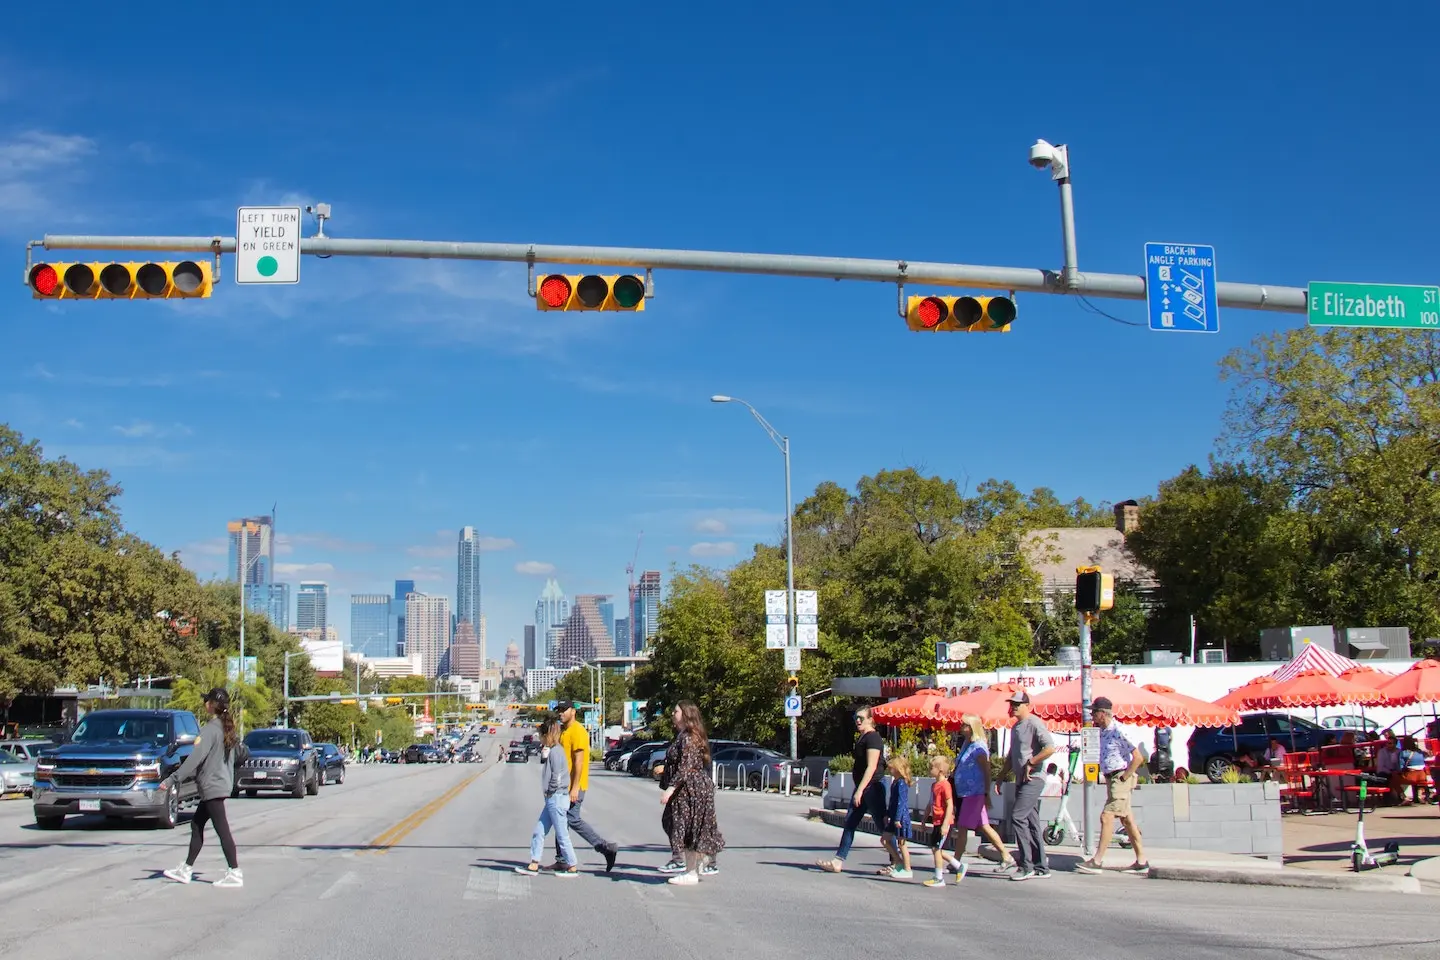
[[1045, 154], [721, 398]]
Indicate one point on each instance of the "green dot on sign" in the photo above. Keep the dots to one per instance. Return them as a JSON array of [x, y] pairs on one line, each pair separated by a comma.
[[267, 266]]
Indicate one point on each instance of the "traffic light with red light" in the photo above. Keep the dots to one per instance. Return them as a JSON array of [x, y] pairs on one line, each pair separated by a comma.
[[183, 280], [960, 314], [558, 291]]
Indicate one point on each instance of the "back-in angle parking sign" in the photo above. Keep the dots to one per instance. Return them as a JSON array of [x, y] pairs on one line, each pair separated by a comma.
[[1180, 287]]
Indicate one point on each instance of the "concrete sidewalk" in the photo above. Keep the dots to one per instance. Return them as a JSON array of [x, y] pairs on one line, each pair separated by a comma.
[[1212, 867]]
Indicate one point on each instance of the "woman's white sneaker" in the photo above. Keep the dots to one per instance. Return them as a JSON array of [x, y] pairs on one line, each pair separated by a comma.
[[180, 874], [232, 878], [685, 879]]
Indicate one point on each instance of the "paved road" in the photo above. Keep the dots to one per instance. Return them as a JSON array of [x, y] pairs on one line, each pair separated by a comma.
[[442, 885]]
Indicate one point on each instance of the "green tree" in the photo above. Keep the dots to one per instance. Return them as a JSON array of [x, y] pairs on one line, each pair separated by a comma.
[[578, 685]]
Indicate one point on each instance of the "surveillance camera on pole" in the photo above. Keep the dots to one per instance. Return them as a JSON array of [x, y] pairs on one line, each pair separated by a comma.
[[1045, 154]]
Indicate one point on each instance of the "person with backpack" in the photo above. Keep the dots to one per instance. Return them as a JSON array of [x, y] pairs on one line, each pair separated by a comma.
[[211, 765]]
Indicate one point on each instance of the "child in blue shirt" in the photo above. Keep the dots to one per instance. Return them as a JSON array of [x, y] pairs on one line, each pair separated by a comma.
[[896, 829]]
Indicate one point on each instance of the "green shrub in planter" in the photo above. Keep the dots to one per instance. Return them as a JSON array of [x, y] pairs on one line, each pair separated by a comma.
[[842, 764]]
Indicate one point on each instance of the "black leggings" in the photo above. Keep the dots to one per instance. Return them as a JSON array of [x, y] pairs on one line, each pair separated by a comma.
[[214, 812]]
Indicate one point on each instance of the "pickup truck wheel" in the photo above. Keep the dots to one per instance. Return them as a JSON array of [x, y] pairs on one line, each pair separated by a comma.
[[171, 816], [312, 786], [49, 823]]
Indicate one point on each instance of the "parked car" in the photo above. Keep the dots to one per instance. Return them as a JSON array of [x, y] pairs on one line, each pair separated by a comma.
[[114, 765], [28, 750], [16, 775], [332, 763], [754, 767], [1215, 750], [282, 759], [642, 757]]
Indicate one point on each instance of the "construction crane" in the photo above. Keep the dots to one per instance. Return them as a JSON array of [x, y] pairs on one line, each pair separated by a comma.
[[630, 573]]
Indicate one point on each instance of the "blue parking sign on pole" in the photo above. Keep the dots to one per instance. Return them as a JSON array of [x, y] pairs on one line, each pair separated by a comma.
[[1180, 287]]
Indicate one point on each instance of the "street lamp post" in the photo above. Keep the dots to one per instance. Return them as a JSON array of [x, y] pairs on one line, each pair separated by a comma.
[[783, 442]]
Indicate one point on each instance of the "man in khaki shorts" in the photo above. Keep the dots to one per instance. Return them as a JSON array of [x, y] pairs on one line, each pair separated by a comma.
[[1119, 761]]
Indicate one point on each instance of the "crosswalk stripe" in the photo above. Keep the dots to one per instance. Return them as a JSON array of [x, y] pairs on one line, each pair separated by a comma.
[[349, 877], [487, 884]]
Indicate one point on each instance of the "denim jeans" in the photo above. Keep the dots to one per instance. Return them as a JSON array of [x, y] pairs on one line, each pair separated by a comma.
[[575, 819], [871, 802], [553, 816]]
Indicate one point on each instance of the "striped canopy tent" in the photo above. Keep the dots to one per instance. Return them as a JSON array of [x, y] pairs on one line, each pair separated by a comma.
[[1314, 658], [1202, 712], [1419, 684], [918, 709]]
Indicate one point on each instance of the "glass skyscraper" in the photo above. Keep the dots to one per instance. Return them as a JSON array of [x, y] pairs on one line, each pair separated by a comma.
[[552, 611], [312, 606], [403, 588], [467, 583], [252, 564], [370, 626], [645, 611]]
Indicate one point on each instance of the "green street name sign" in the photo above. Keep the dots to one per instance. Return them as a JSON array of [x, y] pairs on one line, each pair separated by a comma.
[[1374, 305]]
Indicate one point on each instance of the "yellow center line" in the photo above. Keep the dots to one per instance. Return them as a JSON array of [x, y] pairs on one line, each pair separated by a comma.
[[405, 827]]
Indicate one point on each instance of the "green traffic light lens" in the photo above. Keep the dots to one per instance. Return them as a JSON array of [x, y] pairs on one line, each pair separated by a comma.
[[1002, 311], [629, 291]]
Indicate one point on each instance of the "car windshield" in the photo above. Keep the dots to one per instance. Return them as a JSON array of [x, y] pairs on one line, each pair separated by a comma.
[[272, 740], [7, 757], [122, 728]]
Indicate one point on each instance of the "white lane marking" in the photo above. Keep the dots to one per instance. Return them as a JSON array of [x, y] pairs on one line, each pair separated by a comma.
[[485, 884], [345, 880]]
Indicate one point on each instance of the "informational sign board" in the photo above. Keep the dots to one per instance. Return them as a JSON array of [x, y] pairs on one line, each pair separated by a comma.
[[232, 669], [792, 659], [267, 245], [775, 605], [793, 706], [1180, 287], [777, 636], [1091, 744]]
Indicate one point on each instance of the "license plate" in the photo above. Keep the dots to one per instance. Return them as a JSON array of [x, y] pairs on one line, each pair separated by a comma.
[[261, 774], [90, 806]]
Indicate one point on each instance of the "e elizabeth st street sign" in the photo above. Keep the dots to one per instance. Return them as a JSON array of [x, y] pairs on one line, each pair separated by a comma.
[[1393, 305]]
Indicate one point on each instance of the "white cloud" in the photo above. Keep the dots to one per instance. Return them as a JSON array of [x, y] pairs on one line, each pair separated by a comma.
[[711, 525], [213, 547], [74, 424], [493, 544], [535, 568], [144, 428], [286, 543], [33, 157], [433, 552], [304, 569], [721, 549], [427, 575]]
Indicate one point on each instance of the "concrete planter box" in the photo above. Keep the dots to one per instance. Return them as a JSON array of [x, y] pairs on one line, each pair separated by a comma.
[[1230, 818]]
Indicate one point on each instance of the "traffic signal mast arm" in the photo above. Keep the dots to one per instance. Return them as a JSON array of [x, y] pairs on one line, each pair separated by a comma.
[[1114, 286]]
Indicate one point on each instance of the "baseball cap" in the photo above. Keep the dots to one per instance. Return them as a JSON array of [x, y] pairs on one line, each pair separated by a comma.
[[218, 695], [562, 705], [1102, 703], [1019, 696]]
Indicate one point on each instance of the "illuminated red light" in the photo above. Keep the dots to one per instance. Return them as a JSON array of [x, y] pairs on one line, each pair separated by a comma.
[[44, 279], [555, 291], [931, 312]]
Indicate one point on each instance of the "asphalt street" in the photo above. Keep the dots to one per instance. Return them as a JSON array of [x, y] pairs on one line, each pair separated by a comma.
[[419, 861]]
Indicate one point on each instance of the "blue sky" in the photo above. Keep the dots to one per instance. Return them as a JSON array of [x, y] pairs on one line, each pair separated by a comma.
[[383, 404]]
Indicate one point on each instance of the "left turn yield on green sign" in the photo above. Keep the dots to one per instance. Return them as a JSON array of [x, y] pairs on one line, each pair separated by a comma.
[[267, 245]]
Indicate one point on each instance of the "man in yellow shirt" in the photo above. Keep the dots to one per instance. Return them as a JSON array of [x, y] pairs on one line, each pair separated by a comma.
[[575, 741]]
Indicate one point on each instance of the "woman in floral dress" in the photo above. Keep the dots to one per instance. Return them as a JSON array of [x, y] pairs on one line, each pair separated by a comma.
[[688, 794]]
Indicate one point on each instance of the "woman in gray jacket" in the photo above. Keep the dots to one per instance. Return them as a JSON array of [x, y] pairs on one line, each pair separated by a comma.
[[211, 767], [555, 784]]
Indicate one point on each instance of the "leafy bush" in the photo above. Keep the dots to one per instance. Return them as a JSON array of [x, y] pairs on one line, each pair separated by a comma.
[[842, 763]]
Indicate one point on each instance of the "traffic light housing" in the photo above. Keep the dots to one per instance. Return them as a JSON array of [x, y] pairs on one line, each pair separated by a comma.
[[179, 280], [1094, 590], [794, 684], [559, 291], [960, 314]]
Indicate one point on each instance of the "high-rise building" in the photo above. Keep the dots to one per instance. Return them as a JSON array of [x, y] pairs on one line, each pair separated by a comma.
[[427, 630], [280, 605], [552, 643], [312, 606], [403, 588], [252, 564], [467, 582], [551, 610], [585, 635], [465, 659], [529, 642], [645, 611], [622, 637], [370, 626], [607, 617]]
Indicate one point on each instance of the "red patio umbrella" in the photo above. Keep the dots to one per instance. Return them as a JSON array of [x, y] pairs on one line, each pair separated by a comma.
[[988, 704], [1243, 697], [917, 709], [1419, 684], [1318, 688], [1202, 712], [1133, 704]]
